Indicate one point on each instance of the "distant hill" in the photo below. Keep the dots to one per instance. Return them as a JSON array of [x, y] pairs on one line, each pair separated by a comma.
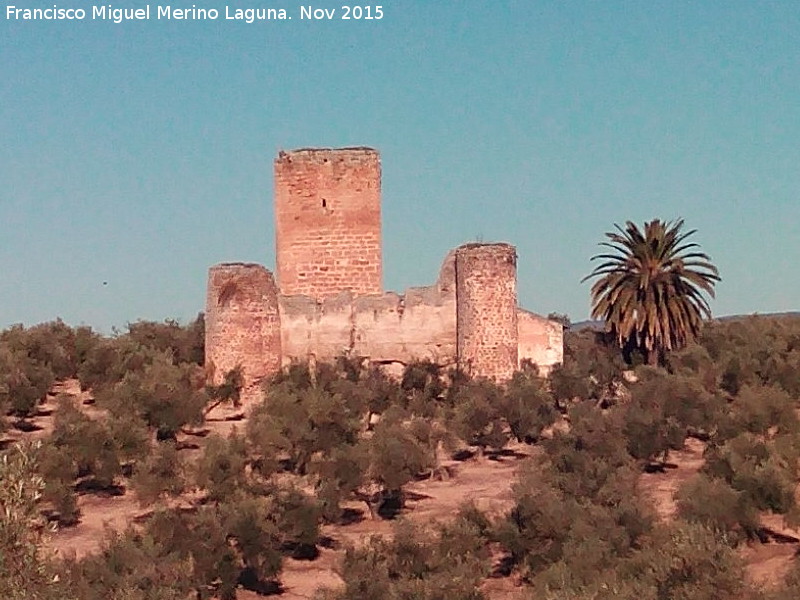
[[589, 324]]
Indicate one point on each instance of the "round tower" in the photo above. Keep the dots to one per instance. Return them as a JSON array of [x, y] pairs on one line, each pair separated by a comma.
[[328, 222], [486, 310], [242, 324]]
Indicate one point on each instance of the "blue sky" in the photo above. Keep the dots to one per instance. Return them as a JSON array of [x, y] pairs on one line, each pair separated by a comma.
[[140, 154]]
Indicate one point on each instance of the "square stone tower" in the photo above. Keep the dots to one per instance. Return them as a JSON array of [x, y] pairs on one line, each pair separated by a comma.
[[328, 222]]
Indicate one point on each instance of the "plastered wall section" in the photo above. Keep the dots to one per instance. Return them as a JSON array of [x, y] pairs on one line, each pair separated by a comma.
[[541, 340], [242, 324], [387, 328], [250, 324], [328, 222], [486, 308]]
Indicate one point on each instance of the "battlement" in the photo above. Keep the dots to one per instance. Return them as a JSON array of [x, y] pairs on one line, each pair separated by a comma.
[[325, 155], [329, 298]]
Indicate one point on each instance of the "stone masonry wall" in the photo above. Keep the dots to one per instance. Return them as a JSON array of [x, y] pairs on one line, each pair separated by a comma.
[[331, 300], [328, 222], [242, 324], [249, 323], [541, 340], [486, 304], [389, 328]]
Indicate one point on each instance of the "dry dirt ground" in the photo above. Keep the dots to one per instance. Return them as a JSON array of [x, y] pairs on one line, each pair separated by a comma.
[[767, 563], [486, 481]]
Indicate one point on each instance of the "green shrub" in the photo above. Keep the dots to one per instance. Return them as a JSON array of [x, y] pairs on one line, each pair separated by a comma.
[[239, 541], [586, 456], [758, 468], [130, 566], [26, 571], [381, 391], [296, 517], [423, 378], [301, 423], [677, 561], [688, 561], [251, 523], [131, 436], [591, 368], [444, 561], [477, 414], [339, 476], [94, 453], [694, 361], [184, 343], [395, 457], [577, 511], [164, 395], [528, 406], [662, 411], [59, 472], [109, 360], [24, 382], [162, 474], [229, 390], [756, 350], [88, 453], [200, 540], [714, 503], [537, 527], [221, 468], [53, 345], [761, 410], [550, 530]]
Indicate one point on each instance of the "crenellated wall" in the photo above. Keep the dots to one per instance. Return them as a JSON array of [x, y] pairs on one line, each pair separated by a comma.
[[486, 308], [243, 325], [386, 328], [330, 299], [468, 317]]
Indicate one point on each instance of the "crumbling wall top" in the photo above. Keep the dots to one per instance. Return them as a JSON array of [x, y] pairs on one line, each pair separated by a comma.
[[324, 154], [501, 248], [537, 316], [227, 266]]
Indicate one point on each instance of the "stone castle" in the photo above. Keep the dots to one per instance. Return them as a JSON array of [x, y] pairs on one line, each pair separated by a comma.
[[329, 298]]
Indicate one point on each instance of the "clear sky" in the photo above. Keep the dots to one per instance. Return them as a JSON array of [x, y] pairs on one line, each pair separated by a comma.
[[140, 153]]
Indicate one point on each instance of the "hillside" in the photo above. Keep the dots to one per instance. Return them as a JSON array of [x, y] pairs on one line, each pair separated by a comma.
[[511, 480]]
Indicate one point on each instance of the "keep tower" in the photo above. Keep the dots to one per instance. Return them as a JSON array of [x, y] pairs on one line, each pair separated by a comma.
[[328, 222]]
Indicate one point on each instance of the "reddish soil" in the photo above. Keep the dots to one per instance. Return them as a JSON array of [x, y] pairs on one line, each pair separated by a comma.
[[767, 563], [485, 481]]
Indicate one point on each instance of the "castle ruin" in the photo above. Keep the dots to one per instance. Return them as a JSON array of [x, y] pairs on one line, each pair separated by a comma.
[[329, 299]]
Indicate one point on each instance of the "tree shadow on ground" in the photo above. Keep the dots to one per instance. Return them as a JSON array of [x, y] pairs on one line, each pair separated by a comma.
[[99, 488], [659, 467], [238, 416], [503, 567], [25, 426], [463, 454], [768, 535], [300, 551], [499, 455], [351, 516], [250, 581]]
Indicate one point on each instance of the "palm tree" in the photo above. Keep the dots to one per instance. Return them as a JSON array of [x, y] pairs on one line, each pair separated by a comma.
[[651, 288]]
